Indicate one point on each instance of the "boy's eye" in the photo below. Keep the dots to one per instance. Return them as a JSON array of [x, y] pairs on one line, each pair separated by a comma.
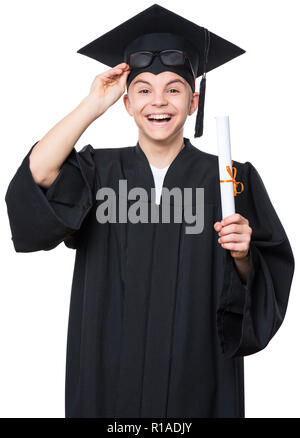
[[172, 89]]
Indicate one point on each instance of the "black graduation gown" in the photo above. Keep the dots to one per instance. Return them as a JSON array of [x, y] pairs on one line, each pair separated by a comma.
[[159, 319]]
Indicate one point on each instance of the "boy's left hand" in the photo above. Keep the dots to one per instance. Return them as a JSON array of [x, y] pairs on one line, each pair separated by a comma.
[[235, 235]]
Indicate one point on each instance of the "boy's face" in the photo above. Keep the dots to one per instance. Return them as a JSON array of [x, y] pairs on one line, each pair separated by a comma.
[[157, 96]]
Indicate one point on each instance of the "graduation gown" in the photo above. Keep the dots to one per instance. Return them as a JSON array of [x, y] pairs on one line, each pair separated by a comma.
[[159, 320]]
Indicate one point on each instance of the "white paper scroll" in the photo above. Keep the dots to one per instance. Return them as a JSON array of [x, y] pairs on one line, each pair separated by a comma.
[[224, 151]]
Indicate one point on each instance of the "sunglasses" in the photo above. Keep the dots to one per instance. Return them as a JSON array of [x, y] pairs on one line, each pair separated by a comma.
[[167, 57]]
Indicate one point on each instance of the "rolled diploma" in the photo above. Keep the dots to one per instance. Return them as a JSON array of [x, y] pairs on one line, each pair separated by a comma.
[[224, 151]]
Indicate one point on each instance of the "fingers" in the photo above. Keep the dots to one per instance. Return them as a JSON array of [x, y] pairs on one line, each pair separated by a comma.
[[236, 246], [118, 69], [234, 238], [123, 65], [235, 234], [115, 74], [233, 223], [234, 228], [217, 226], [234, 218]]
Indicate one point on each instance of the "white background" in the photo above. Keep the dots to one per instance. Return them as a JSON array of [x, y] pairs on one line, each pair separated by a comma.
[[43, 79]]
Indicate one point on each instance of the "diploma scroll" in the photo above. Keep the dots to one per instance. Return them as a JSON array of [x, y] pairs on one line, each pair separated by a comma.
[[225, 166]]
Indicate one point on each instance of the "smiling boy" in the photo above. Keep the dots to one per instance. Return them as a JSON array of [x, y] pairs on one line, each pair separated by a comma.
[[167, 94], [160, 319]]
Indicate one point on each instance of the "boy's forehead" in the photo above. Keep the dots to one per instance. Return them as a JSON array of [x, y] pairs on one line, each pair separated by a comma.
[[155, 79]]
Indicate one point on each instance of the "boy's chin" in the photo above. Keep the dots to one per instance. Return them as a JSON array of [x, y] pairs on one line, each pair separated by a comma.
[[156, 136]]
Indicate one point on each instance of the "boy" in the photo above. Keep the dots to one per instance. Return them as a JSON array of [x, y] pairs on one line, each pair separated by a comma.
[[160, 319]]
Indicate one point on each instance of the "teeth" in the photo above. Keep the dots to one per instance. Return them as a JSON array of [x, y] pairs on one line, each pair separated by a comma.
[[159, 116]]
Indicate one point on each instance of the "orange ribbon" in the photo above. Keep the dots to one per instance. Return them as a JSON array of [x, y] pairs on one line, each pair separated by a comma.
[[235, 183]]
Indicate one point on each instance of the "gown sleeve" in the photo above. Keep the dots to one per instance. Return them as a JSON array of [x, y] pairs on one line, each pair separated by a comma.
[[249, 314], [39, 218]]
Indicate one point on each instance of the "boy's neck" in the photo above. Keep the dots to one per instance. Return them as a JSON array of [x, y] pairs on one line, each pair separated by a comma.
[[161, 154]]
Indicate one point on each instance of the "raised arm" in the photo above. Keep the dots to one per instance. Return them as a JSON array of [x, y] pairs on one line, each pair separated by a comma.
[[51, 194], [51, 151]]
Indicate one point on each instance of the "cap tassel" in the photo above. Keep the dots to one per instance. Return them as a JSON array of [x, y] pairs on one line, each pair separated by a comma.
[[200, 112]]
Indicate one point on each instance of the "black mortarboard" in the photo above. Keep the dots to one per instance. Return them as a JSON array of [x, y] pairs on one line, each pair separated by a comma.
[[157, 28]]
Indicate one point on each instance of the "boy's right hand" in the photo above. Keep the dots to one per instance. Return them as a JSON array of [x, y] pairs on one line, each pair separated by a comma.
[[108, 87]]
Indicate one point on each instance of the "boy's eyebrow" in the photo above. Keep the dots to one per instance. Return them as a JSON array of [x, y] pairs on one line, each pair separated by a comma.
[[170, 82]]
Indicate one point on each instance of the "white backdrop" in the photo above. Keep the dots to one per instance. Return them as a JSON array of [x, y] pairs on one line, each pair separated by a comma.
[[43, 79]]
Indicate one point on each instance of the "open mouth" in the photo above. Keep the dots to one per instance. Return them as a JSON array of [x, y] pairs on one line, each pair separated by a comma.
[[160, 122]]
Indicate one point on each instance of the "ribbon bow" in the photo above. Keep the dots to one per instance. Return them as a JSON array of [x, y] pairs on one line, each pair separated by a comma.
[[235, 183]]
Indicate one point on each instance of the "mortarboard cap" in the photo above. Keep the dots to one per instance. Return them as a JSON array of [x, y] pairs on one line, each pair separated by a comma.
[[156, 29]]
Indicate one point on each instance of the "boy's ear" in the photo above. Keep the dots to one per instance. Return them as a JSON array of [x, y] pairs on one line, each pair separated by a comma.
[[127, 104], [194, 103]]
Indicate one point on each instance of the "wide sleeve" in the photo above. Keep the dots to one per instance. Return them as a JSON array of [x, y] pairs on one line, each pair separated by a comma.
[[39, 218], [249, 315]]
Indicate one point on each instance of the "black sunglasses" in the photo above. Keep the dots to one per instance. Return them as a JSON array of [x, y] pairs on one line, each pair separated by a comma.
[[168, 57]]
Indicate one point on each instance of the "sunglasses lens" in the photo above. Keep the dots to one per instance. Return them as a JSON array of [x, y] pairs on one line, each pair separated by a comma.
[[140, 59], [168, 57], [172, 57]]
